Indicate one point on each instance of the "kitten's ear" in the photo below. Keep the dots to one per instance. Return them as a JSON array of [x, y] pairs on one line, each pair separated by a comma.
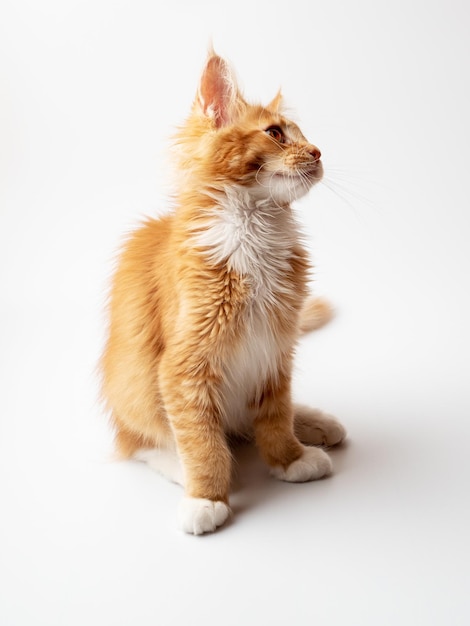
[[276, 103], [218, 94]]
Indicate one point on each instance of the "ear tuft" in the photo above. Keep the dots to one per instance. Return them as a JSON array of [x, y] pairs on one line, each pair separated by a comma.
[[218, 92], [276, 103]]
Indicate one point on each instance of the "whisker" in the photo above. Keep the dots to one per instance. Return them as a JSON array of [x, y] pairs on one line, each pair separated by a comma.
[[339, 195], [346, 191]]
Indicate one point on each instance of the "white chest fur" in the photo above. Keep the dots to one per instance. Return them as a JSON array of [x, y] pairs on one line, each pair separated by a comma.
[[255, 239], [252, 362]]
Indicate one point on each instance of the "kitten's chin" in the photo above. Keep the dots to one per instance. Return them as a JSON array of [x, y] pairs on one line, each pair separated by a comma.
[[285, 187]]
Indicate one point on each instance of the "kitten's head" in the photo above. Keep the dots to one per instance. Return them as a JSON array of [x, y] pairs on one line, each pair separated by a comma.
[[227, 142]]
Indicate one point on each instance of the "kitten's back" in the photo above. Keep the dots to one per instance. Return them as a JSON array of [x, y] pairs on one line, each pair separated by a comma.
[[135, 339]]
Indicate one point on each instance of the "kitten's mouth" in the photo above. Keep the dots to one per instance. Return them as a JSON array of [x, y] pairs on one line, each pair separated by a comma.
[[314, 173], [314, 170]]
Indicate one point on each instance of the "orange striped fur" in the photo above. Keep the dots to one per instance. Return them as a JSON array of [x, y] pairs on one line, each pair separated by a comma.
[[207, 304]]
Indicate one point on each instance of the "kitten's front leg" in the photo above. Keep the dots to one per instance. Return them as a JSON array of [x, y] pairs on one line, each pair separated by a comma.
[[274, 431], [202, 447]]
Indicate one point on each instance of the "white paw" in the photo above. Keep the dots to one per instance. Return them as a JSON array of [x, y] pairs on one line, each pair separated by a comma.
[[163, 461], [198, 515], [314, 463]]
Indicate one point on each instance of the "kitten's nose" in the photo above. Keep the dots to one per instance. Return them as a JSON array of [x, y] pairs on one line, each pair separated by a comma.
[[315, 152]]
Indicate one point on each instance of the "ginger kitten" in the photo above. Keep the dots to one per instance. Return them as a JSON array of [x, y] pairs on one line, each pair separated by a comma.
[[207, 304]]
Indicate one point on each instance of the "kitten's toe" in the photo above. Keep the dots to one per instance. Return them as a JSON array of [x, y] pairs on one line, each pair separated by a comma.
[[313, 464], [315, 428], [198, 515]]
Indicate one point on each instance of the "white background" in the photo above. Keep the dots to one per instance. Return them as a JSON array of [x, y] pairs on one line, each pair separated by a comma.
[[90, 92]]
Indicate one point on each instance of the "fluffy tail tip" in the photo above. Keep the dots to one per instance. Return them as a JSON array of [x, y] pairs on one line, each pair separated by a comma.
[[315, 314]]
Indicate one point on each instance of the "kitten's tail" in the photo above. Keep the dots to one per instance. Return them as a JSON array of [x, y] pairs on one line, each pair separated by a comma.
[[315, 313]]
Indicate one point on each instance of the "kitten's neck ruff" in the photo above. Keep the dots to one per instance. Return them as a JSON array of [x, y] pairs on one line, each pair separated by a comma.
[[253, 237]]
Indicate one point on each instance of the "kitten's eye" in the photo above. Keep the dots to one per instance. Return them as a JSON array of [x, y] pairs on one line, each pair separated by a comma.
[[276, 133]]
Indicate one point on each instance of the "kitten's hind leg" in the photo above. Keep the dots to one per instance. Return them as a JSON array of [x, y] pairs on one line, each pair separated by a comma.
[[161, 457], [164, 461], [315, 428]]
